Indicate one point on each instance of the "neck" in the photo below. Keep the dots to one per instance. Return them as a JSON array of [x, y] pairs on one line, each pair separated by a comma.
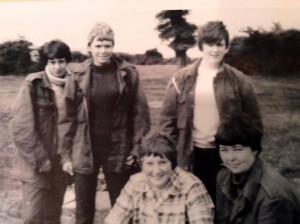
[[209, 66], [54, 79], [102, 64]]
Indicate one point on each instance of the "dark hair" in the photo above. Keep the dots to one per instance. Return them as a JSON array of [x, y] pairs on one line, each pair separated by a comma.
[[240, 131], [212, 32], [57, 49], [159, 145]]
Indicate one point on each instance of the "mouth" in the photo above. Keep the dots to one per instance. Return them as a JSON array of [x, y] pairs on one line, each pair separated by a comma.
[[157, 177], [234, 166]]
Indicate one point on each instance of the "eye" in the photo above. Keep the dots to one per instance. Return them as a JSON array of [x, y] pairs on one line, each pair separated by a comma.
[[149, 163]]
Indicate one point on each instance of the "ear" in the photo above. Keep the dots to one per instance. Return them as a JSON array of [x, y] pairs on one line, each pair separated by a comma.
[[227, 49]]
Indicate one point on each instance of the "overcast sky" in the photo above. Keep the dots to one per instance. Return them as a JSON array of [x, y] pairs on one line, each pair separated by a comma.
[[134, 21]]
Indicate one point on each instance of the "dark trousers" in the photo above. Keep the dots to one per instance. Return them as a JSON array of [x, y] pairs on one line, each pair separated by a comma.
[[206, 166], [43, 205], [86, 188]]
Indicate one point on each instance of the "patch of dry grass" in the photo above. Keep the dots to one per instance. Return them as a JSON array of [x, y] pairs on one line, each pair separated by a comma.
[[278, 97]]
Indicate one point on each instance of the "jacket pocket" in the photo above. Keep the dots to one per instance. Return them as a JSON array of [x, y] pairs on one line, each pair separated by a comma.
[[45, 111], [44, 105]]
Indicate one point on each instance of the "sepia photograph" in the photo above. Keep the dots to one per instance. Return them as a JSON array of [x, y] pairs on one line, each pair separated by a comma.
[[152, 112]]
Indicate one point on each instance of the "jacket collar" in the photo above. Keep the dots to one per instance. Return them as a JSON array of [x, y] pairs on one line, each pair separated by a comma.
[[193, 68], [45, 80], [86, 70], [253, 181], [121, 64], [250, 189], [45, 83]]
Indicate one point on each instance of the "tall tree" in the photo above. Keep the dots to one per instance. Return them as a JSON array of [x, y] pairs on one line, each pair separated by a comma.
[[181, 34]]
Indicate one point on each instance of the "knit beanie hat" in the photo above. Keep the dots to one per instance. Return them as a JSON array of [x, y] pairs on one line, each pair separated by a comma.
[[101, 31]]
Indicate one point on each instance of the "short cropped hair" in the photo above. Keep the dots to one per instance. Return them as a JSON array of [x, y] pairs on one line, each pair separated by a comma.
[[57, 49], [102, 31], [240, 131], [159, 145], [212, 32]]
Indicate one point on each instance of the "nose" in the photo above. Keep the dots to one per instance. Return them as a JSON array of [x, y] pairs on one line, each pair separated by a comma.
[[156, 169], [57, 65], [215, 47], [231, 156], [102, 50]]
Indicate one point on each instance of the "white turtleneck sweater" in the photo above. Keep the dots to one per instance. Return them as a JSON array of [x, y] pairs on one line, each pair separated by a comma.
[[206, 115]]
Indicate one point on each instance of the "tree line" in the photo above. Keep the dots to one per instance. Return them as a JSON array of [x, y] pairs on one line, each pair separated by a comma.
[[258, 51]]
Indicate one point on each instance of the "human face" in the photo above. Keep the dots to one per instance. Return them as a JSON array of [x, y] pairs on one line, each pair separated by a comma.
[[101, 51], [157, 170], [213, 54], [238, 158], [57, 67]]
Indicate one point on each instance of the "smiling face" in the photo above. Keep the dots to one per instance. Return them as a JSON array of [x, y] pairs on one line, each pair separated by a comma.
[[57, 67], [238, 158], [157, 170], [213, 53], [101, 51]]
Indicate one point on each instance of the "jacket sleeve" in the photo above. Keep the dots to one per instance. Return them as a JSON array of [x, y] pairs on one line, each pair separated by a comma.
[[22, 129], [141, 117], [168, 115], [67, 124], [276, 211], [250, 104]]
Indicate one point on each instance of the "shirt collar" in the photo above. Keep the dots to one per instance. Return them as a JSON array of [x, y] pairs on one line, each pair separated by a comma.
[[252, 183]]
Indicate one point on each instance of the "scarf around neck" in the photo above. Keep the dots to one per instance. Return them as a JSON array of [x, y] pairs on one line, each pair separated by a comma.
[[55, 80]]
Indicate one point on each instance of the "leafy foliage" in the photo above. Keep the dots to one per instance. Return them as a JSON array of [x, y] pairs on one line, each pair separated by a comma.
[[174, 28], [274, 52], [150, 57], [77, 56], [14, 57]]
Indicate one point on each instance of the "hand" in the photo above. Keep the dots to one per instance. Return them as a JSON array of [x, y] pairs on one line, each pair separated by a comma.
[[46, 167], [68, 168]]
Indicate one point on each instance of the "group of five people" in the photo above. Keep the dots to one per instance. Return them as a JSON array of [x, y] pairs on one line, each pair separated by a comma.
[[74, 118]]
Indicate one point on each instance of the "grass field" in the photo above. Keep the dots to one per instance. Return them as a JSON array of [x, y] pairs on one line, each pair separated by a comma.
[[279, 99]]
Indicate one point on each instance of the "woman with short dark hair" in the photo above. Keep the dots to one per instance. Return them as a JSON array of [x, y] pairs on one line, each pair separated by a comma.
[[248, 190], [35, 130]]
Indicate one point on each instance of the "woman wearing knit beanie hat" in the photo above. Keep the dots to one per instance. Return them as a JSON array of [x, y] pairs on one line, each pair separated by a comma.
[[248, 190], [112, 116]]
